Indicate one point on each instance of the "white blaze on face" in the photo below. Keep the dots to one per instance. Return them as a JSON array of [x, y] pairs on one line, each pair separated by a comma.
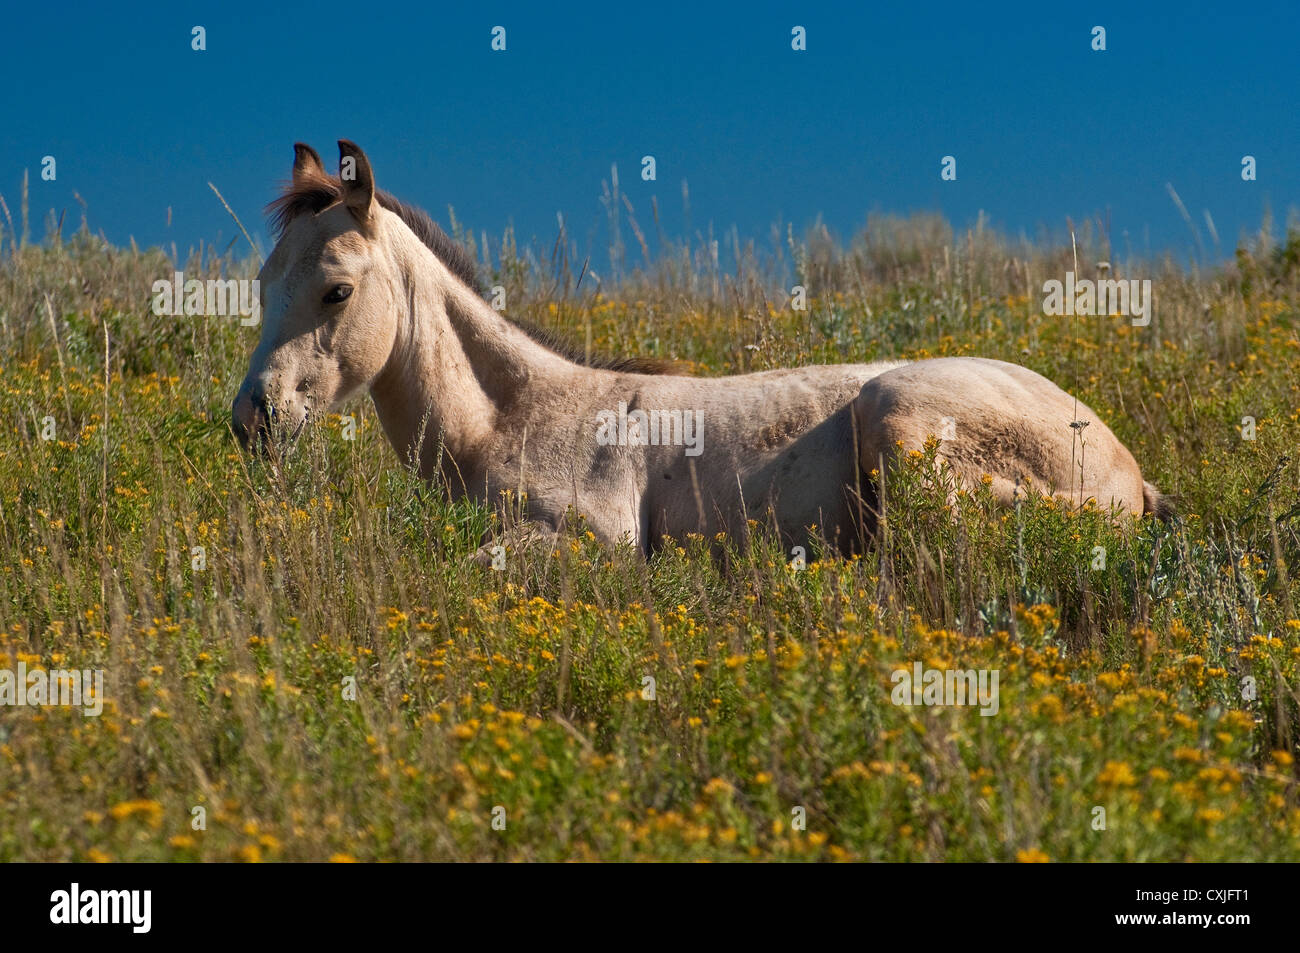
[[270, 366], [276, 307], [266, 379]]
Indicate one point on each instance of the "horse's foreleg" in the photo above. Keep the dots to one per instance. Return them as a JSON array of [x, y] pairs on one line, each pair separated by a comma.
[[511, 541]]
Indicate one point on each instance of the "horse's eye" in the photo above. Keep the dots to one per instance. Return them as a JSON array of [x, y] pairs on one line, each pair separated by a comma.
[[338, 293]]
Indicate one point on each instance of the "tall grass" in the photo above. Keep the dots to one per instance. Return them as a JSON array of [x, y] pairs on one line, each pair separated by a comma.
[[1161, 688]]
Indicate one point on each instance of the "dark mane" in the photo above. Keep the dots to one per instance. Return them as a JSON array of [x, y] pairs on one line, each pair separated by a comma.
[[553, 341], [313, 192]]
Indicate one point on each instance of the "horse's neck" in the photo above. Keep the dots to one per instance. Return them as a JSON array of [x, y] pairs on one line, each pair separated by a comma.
[[455, 367]]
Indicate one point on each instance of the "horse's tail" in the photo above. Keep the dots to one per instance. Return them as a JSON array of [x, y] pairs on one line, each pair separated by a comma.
[[1156, 503]]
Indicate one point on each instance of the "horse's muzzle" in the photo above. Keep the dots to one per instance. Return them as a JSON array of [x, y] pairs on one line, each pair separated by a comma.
[[250, 417]]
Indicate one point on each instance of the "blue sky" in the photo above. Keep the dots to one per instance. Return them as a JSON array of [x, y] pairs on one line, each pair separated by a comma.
[[1042, 126]]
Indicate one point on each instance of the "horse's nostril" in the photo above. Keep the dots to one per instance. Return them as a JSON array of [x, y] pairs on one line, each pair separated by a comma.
[[248, 417]]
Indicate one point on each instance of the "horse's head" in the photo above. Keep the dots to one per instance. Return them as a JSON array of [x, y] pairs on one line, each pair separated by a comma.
[[329, 295]]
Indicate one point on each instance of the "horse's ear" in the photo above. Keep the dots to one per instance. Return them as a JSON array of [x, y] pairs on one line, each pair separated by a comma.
[[306, 161], [358, 181]]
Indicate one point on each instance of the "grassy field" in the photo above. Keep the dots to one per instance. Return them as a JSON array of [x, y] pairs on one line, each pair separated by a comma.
[[1163, 689]]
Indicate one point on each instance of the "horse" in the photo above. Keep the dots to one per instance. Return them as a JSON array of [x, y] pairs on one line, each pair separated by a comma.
[[365, 292]]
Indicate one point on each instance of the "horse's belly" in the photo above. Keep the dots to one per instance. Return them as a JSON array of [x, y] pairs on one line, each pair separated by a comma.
[[802, 484]]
